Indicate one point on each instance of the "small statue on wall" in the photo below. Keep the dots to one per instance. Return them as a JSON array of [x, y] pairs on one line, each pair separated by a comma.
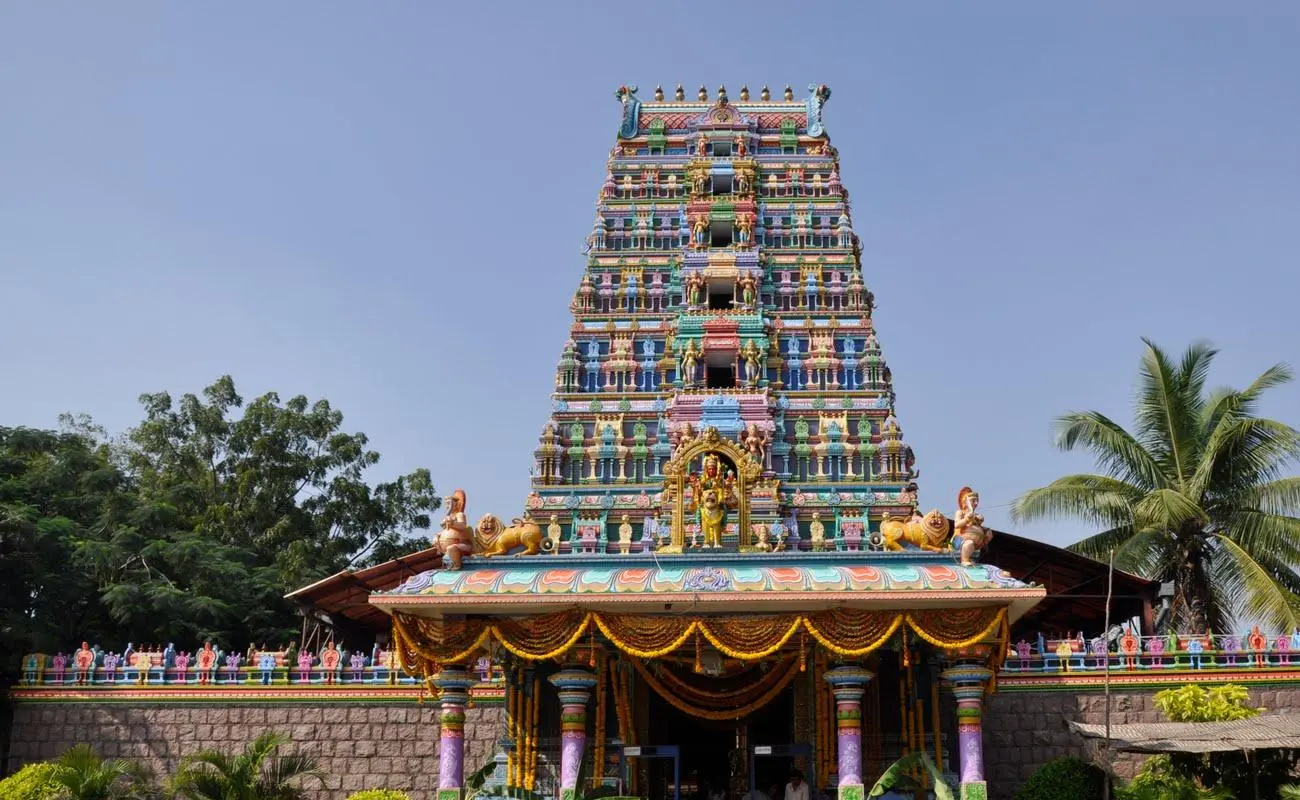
[[969, 533], [553, 533], [625, 536]]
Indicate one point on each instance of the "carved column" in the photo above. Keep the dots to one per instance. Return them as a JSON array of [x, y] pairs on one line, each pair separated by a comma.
[[575, 685], [453, 695], [968, 682], [848, 684]]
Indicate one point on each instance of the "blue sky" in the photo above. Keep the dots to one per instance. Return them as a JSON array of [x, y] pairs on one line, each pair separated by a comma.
[[384, 204]]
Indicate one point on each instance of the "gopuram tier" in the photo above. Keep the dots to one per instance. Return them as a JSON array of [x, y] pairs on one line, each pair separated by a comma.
[[723, 296]]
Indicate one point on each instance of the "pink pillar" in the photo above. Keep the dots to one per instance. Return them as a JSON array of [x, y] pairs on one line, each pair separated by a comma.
[[968, 683], [575, 685], [453, 695], [849, 682]]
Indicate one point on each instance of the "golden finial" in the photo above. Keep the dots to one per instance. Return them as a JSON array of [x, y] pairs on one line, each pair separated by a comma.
[[744, 93], [722, 92], [704, 93], [789, 93], [765, 94], [680, 94], [659, 93]]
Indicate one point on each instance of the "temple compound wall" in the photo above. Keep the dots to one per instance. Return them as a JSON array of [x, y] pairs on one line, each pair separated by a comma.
[[358, 746], [395, 745]]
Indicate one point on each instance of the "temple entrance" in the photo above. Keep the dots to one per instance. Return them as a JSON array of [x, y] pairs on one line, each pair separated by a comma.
[[715, 755]]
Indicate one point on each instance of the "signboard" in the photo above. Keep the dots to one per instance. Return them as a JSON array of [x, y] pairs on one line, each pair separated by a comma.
[[763, 750], [631, 751]]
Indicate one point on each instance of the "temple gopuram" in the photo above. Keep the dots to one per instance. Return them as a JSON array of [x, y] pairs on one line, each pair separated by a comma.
[[722, 575]]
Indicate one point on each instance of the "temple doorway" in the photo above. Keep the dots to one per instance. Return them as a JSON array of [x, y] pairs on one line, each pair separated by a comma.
[[715, 754]]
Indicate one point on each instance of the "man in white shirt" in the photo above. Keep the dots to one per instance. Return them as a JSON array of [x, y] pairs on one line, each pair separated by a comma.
[[796, 789]]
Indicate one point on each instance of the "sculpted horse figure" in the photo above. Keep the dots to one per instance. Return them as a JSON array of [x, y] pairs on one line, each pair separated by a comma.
[[494, 540]]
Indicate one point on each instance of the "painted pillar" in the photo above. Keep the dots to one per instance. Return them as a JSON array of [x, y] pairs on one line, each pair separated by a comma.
[[848, 684], [968, 682], [453, 695], [575, 685]]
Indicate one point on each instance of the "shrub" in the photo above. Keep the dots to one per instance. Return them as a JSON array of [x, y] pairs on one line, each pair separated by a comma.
[[1160, 780], [32, 782], [379, 794], [1064, 779]]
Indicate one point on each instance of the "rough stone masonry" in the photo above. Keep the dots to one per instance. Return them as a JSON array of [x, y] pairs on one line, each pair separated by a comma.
[[358, 747]]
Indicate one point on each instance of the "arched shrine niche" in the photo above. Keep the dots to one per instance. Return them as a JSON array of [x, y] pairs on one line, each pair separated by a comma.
[[710, 478]]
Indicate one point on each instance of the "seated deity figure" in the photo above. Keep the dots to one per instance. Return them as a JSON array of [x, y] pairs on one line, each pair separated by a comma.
[[712, 490], [456, 539], [968, 528]]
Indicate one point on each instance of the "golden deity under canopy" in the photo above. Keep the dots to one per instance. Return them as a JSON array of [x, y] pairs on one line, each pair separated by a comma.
[[713, 490]]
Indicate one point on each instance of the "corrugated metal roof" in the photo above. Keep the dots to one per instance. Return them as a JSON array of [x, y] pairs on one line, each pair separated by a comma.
[[1258, 733]]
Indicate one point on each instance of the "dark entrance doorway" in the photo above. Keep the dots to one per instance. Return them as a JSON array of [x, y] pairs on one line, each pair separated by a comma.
[[715, 755]]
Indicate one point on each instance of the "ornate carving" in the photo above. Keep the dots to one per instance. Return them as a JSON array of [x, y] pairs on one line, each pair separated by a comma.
[[631, 111]]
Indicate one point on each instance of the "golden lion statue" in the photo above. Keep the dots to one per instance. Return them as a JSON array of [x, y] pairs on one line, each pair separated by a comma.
[[928, 533], [493, 540]]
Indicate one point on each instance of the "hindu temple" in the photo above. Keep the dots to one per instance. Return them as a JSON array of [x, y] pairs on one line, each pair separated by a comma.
[[722, 576], [721, 573]]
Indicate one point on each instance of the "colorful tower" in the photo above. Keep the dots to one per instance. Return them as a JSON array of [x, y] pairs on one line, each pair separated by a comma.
[[723, 296]]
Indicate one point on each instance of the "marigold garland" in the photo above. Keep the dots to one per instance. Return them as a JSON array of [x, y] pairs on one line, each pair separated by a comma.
[[940, 633], [728, 698], [730, 714], [421, 645]]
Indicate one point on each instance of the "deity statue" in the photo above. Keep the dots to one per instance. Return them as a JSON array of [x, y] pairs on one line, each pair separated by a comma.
[[456, 539], [968, 526], [625, 536], [694, 290], [744, 228], [764, 539], [817, 532], [740, 145], [553, 533], [700, 230], [713, 490], [755, 442], [690, 356], [753, 363], [748, 289]]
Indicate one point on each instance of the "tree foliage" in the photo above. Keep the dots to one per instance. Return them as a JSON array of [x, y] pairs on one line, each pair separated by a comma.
[[86, 776], [1196, 703], [193, 525], [1196, 493]]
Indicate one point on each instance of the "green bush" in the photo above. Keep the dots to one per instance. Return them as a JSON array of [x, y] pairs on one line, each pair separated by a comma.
[[32, 782], [1159, 779], [1064, 779], [379, 794]]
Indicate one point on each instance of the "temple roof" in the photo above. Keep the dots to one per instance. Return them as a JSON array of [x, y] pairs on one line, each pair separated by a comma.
[[753, 583]]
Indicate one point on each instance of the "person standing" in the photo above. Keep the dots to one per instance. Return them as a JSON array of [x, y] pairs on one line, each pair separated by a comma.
[[796, 789]]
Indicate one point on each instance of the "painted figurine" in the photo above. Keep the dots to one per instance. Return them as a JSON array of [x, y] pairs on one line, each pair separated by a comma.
[[968, 526], [456, 539], [625, 536], [553, 533]]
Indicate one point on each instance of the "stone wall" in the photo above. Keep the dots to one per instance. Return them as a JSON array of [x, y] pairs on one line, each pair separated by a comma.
[[358, 747], [1024, 730]]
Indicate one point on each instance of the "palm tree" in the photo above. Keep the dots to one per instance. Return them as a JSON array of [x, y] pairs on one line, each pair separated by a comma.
[[258, 773], [1194, 495], [86, 776]]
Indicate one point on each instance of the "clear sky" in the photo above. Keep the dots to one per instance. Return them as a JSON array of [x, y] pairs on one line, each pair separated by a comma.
[[384, 204]]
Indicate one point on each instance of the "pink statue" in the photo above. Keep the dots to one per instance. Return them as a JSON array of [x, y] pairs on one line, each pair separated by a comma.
[[456, 539], [304, 666], [329, 662], [206, 662], [84, 663]]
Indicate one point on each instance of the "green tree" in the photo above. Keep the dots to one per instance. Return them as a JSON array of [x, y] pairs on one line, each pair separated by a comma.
[[236, 504], [86, 776], [57, 490], [1195, 494], [258, 773]]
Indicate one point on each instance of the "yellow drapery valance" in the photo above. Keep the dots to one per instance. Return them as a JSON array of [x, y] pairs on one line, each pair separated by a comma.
[[422, 645]]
